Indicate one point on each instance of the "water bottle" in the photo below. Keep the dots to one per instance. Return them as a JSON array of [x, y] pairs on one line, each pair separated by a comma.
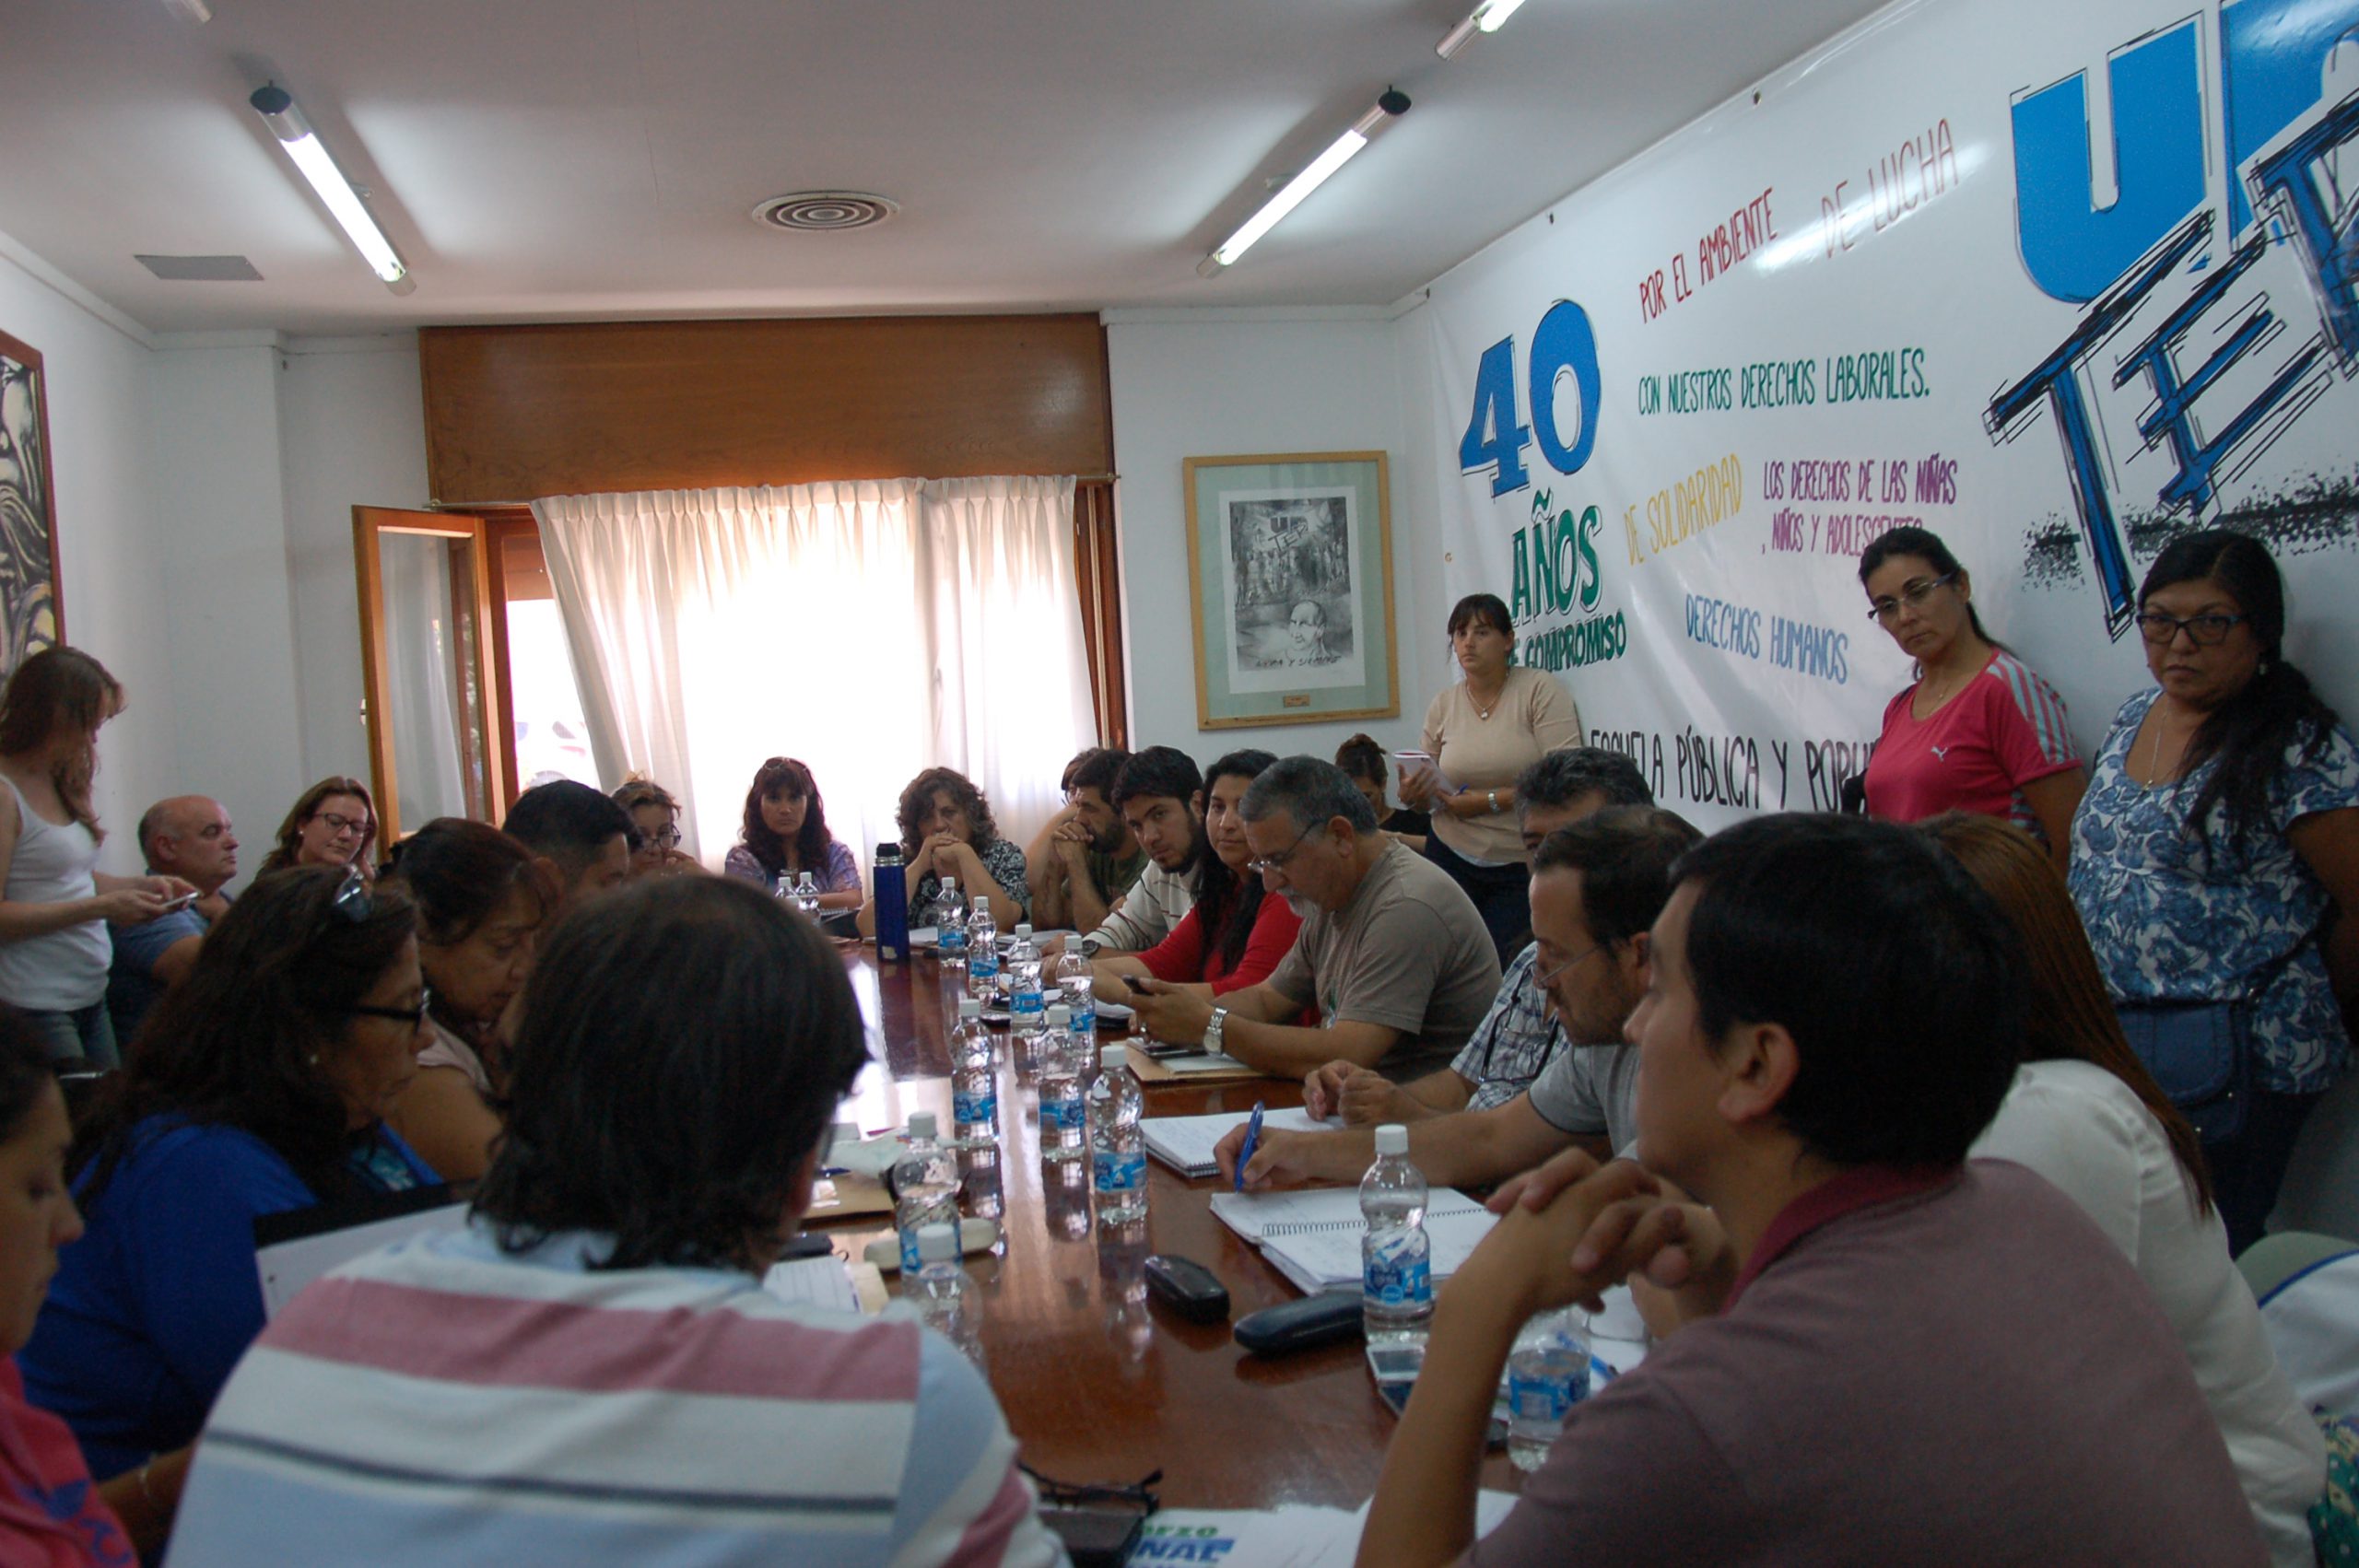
[[950, 928], [892, 894], [974, 1086], [1063, 1112], [1117, 1153], [1024, 998], [982, 955], [1547, 1375], [784, 890], [925, 1186], [807, 896], [937, 1286], [1396, 1266], [1077, 988]]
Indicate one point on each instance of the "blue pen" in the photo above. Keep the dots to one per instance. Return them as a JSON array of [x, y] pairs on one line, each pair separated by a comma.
[[1252, 1137]]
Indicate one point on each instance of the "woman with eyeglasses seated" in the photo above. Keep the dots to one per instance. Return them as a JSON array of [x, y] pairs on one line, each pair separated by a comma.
[[1978, 730], [785, 833], [334, 822], [2220, 842], [655, 818], [2085, 1114], [257, 1085], [51, 1513], [481, 898], [947, 833], [1232, 936], [598, 1332]]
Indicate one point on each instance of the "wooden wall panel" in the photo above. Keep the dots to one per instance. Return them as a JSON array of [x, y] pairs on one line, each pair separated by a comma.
[[514, 413]]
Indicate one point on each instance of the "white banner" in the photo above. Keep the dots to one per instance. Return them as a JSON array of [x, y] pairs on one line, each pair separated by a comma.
[[2057, 282]]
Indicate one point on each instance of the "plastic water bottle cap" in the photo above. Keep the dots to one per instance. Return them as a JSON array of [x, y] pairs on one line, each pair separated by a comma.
[[950, 884], [1060, 1016], [969, 1007], [1111, 1056], [922, 1125], [1390, 1139], [937, 1244], [1023, 930]]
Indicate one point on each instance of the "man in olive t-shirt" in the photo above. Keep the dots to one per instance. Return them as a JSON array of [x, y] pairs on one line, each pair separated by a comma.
[[1391, 953]]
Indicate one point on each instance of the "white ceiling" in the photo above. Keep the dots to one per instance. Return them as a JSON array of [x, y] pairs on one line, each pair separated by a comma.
[[539, 159]]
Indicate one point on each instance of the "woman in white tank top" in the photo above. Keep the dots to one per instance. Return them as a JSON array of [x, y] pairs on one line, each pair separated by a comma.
[[55, 904]]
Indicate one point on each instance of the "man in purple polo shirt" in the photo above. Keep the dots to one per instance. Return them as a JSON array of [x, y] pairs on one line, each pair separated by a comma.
[[1888, 1356]]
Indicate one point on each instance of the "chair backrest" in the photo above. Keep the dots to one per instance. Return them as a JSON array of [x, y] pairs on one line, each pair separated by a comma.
[[2309, 1290]]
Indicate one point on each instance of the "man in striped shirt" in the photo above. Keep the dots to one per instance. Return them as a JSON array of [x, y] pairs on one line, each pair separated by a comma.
[[590, 1372]]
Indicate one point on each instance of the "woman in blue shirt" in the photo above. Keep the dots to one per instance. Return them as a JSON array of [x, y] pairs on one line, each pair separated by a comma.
[[2219, 835], [260, 1087]]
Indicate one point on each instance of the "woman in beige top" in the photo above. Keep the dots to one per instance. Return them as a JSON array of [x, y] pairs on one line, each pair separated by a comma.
[[1481, 732]]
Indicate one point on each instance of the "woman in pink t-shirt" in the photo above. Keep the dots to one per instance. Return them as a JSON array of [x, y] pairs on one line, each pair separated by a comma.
[[1977, 731], [51, 1513]]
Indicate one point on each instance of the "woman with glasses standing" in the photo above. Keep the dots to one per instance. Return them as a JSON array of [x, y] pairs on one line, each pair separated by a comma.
[[1977, 731], [261, 1086], [334, 822], [1481, 731], [55, 904], [2219, 839], [482, 898]]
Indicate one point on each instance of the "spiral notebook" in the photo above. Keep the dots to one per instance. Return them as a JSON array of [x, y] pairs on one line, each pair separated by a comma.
[[1313, 1238]]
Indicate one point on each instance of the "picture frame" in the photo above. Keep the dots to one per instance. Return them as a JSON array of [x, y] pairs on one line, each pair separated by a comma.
[[1290, 588], [33, 611]]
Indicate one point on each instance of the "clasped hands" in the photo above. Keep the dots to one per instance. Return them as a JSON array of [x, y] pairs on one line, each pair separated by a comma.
[[1572, 1228]]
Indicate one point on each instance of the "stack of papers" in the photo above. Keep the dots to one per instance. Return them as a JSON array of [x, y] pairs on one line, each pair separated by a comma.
[[1313, 1238], [1185, 1142]]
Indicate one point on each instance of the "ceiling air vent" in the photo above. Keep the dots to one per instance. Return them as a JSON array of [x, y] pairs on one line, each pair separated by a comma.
[[824, 212], [201, 269]]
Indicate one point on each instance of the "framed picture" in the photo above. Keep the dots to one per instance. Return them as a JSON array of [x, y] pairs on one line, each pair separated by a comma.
[[1290, 577], [31, 616]]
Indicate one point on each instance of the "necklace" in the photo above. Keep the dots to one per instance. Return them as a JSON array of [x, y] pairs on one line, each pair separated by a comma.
[[2154, 757], [1483, 711]]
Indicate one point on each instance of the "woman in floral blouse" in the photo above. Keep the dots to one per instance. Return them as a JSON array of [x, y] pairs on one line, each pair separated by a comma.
[[2219, 837]]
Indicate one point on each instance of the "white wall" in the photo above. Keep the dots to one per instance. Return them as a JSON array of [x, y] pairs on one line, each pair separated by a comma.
[[113, 569], [353, 429], [222, 541], [1224, 383]]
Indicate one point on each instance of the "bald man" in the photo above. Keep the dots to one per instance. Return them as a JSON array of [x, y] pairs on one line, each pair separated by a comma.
[[188, 837]]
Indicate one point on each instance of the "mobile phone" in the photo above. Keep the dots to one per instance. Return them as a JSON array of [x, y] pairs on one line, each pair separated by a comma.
[[175, 906]]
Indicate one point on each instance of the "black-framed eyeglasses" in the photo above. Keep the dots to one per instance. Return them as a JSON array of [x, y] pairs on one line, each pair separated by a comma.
[[338, 822], [413, 1017], [665, 837], [1913, 596], [2208, 630], [1278, 862], [1140, 1494]]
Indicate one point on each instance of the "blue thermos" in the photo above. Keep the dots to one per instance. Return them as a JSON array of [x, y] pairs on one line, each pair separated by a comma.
[[892, 905]]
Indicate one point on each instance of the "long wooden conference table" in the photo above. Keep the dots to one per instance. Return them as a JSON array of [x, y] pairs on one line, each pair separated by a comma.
[[1100, 1385]]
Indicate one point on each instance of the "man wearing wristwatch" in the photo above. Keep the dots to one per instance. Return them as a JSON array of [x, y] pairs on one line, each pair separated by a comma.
[[1391, 953]]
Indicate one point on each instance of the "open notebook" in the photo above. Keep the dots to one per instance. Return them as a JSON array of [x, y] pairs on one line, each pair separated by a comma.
[[1313, 1238], [1185, 1142]]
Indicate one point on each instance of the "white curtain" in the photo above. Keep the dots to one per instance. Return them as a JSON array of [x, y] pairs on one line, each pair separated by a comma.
[[871, 628]]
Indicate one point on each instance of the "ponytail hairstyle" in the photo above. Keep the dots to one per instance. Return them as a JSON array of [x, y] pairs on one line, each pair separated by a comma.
[[2252, 732], [1229, 902], [1910, 540]]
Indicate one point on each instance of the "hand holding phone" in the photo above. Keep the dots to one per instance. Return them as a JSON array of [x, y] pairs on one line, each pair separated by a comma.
[[174, 906]]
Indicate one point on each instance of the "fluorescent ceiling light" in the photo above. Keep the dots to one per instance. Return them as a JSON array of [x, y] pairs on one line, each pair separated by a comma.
[[1290, 196], [1489, 16], [302, 145]]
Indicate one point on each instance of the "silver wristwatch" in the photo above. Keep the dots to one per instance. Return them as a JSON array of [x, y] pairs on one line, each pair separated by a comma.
[[1212, 1030]]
